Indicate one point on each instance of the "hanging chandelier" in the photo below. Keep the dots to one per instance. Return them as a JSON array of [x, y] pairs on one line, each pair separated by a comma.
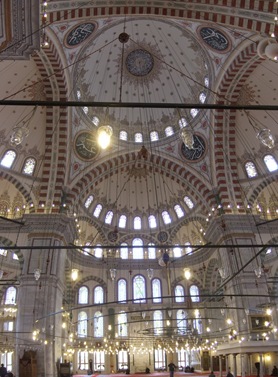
[[187, 137], [263, 134]]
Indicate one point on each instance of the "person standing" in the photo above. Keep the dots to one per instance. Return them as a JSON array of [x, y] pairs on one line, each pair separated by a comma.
[[211, 374], [3, 371], [172, 368]]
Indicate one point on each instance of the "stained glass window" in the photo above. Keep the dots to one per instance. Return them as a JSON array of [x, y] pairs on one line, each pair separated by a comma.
[[179, 293], [82, 327], [122, 221], [29, 166], [156, 290], [270, 162], [89, 201], [98, 295], [139, 289], [250, 169]]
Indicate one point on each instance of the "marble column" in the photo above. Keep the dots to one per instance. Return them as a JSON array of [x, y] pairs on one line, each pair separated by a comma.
[[40, 297]]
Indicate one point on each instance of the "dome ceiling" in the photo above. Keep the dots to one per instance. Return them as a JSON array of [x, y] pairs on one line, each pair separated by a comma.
[[159, 62]]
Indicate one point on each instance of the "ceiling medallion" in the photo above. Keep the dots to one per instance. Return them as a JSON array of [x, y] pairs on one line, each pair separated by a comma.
[[162, 236], [143, 62], [139, 62]]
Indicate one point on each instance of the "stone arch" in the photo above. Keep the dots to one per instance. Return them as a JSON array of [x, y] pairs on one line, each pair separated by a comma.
[[225, 151]]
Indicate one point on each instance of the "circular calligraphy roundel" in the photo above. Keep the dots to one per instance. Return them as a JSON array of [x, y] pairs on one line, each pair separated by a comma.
[[79, 34], [198, 150]]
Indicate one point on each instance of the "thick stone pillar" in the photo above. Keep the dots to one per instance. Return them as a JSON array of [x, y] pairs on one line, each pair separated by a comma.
[[234, 365], [220, 366], [243, 364], [261, 365], [40, 298]]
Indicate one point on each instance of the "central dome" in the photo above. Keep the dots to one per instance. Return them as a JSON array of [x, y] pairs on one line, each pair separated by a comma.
[[155, 65]]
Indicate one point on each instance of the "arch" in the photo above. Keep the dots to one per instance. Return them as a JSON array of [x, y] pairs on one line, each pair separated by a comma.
[[52, 71], [244, 63], [14, 181], [195, 187], [260, 187]]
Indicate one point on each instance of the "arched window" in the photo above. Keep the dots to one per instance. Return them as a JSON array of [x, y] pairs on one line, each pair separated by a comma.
[[181, 322], [151, 251], [122, 324], [179, 293], [3, 252], [188, 248], [82, 326], [98, 295], [98, 251], [166, 217], [138, 137], [109, 217], [158, 322], [98, 325], [197, 322], [177, 252], [89, 201], [156, 291], [29, 166], [10, 297], [152, 221], [124, 251], [139, 289], [122, 290], [188, 202], [137, 223], [251, 169], [194, 112], [169, 131], [138, 250], [8, 159], [97, 210], [202, 97], [194, 293], [179, 211], [270, 163], [95, 120], [154, 136], [83, 295], [182, 122], [122, 221], [123, 135]]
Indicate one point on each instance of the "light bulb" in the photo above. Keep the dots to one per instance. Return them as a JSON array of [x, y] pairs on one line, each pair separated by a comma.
[[104, 136]]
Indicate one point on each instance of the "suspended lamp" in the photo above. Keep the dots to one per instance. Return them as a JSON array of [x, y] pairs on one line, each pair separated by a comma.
[[113, 273], [266, 138], [150, 273], [187, 273], [74, 274], [104, 134], [268, 48], [258, 271], [37, 274], [263, 134], [20, 132], [187, 137], [222, 272], [18, 135]]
